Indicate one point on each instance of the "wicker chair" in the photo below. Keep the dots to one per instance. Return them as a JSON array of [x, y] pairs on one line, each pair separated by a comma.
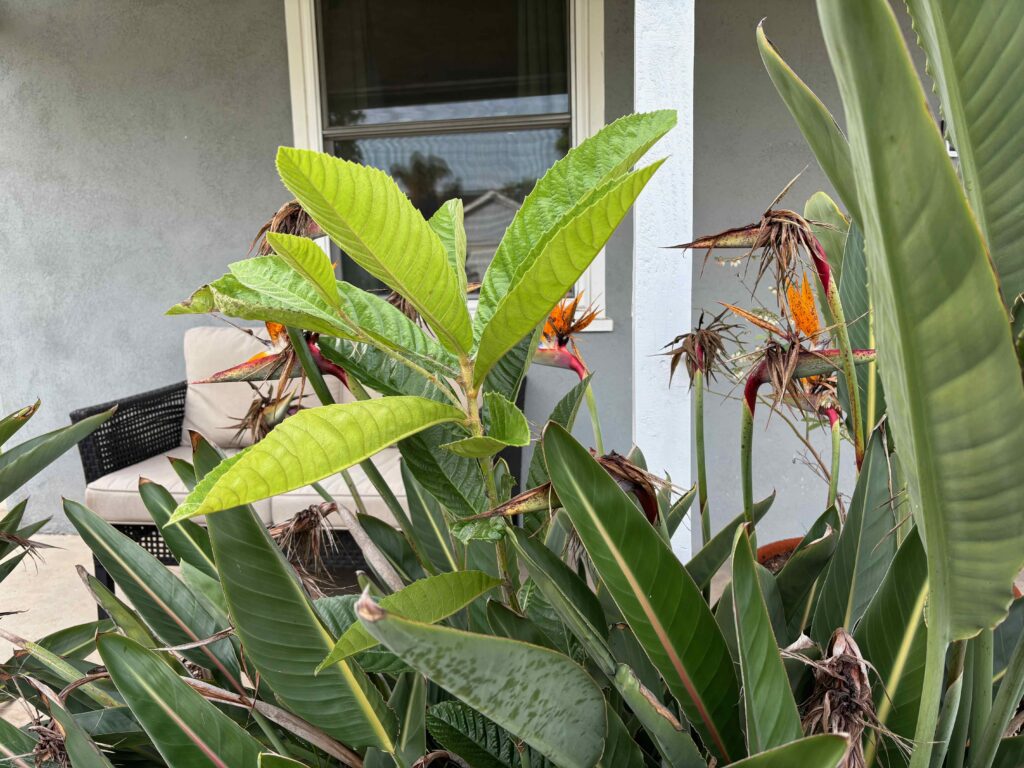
[[149, 425]]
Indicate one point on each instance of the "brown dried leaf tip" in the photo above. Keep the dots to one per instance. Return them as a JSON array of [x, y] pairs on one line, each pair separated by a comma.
[[701, 349]]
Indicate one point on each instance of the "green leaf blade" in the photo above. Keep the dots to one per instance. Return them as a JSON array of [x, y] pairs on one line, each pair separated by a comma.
[[537, 694], [309, 446], [946, 357], [368, 216], [772, 718], [657, 597]]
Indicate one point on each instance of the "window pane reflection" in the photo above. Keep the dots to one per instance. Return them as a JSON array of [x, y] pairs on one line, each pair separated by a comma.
[[399, 60], [491, 171]]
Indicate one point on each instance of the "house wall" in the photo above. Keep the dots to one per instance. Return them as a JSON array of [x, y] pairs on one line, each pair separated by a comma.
[[137, 149], [136, 153]]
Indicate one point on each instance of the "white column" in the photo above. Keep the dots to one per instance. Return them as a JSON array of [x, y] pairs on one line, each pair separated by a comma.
[[663, 78]]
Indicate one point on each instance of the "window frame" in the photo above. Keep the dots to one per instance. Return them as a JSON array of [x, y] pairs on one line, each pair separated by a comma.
[[586, 107]]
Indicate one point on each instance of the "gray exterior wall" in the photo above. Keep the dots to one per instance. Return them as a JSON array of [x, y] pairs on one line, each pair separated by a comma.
[[137, 149]]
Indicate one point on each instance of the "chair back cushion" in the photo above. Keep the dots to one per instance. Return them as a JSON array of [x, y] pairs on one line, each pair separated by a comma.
[[214, 410]]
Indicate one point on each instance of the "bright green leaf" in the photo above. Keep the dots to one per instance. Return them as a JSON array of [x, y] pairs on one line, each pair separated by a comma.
[[309, 260], [427, 600], [309, 446], [368, 216], [506, 426]]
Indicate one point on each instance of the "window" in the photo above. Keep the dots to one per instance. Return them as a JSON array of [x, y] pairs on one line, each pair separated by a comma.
[[453, 99]]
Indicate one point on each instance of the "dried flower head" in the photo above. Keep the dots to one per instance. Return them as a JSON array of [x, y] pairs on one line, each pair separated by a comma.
[[701, 349], [290, 219], [304, 538], [841, 702]]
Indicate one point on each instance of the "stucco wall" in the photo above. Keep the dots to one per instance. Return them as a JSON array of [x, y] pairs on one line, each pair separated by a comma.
[[137, 143], [136, 152], [746, 148]]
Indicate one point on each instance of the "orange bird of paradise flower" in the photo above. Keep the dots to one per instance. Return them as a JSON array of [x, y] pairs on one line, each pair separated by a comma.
[[558, 347]]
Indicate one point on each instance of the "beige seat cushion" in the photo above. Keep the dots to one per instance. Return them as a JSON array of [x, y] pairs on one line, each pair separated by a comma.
[[212, 409], [387, 461], [115, 497]]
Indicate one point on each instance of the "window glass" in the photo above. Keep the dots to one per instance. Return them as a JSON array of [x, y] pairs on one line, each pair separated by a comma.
[[401, 60], [492, 171]]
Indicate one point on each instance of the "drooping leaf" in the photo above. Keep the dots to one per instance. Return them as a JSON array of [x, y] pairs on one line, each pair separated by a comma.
[[168, 606], [367, 215], [186, 729], [540, 696], [815, 122], [945, 353], [568, 185], [308, 260], [543, 278], [22, 462], [821, 751], [427, 600], [507, 426], [771, 715], [656, 595], [309, 446], [974, 58], [864, 550]]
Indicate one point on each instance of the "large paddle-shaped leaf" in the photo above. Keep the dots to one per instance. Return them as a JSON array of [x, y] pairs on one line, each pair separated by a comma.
[[772, 718], [976, 56], [656, 595], [368, 216], [567, 186], [542, 279], [309, 446], [282, 634], [539, 695], [945, 353], [186, 729], [946, 357], [174, 613]]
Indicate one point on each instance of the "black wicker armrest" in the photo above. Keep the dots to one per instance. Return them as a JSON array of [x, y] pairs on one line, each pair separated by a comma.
[[145, 425]]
